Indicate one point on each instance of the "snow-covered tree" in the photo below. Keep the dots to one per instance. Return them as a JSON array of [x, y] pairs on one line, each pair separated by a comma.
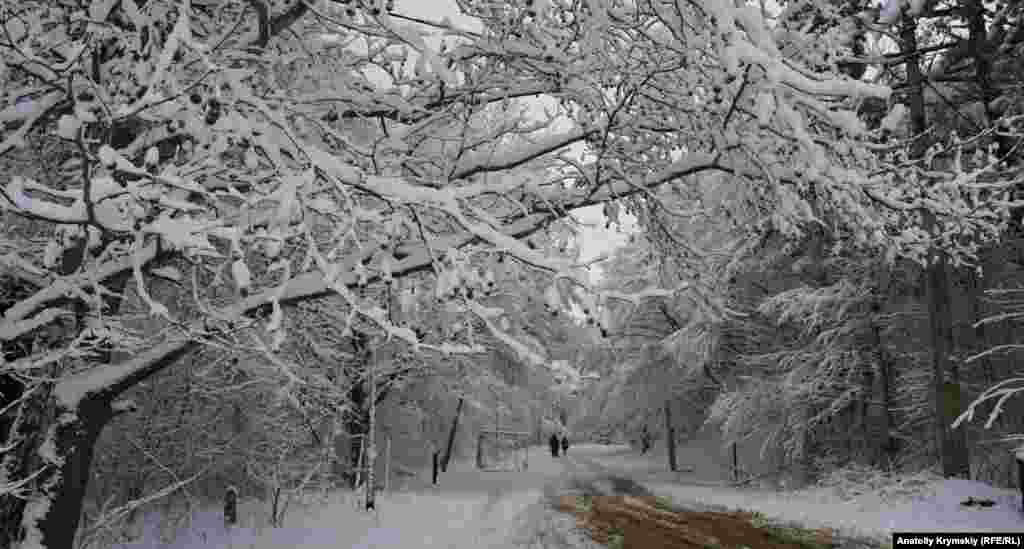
[[264, 154], [962, 134], [950, 145]]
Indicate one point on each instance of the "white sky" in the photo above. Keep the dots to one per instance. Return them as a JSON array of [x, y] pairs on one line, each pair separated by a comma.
[[594, 239]]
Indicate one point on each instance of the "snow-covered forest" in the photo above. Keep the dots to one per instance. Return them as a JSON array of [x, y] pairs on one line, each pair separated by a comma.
[[251, 244]]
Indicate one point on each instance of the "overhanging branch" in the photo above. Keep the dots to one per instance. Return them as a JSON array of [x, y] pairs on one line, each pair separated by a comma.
[[107, 381]]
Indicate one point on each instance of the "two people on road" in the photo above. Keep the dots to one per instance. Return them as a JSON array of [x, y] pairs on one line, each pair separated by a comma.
[[557, 444]]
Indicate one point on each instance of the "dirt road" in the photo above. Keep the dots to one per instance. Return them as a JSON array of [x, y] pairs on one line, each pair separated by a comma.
[[612, 509], [574, 502], [617, 511]]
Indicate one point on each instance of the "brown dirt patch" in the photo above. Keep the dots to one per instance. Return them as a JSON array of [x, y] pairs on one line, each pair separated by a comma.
[[644, 526]]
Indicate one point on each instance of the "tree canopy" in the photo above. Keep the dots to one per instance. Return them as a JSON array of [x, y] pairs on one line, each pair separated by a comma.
[[259, 154]]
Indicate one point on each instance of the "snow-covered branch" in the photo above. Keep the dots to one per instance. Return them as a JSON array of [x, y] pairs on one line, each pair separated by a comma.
[[498, 159]]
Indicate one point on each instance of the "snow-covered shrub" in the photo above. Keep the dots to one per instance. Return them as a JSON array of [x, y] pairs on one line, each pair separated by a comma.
[[854, 481]]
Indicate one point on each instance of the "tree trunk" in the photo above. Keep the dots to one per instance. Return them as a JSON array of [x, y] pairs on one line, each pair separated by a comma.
[[952, 447], [879, 414], [480, 452], [435, 460], [540, 429], [975, 14], [880, 442], [371, 439], [58, 442], [802, 456], [978, 335], [952, 444], [24, 434], [451, 436], [356, 427], [357, 420], [55, 497], [670, 436]]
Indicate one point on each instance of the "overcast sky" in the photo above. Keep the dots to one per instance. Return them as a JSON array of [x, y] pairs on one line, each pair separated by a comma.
[[595, 239]]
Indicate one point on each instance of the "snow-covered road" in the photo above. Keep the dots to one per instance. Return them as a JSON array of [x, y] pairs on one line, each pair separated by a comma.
[[515, 510], [470, 509]]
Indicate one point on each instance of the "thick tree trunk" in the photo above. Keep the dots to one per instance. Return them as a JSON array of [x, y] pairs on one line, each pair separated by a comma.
[[33, 418], [975, 13], [451, 436], [51, 512], [76, 442], [56, 443], [879, 420], [878, 430], [951, 445], [670, 437]]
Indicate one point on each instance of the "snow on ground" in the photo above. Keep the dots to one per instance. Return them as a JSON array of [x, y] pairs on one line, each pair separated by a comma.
[[937, 509], [469, 510], [501, 509], [404, 521], [701, 462]]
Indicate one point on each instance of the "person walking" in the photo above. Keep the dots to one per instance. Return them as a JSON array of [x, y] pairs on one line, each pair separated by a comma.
[[553, 443], [565, 445]]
